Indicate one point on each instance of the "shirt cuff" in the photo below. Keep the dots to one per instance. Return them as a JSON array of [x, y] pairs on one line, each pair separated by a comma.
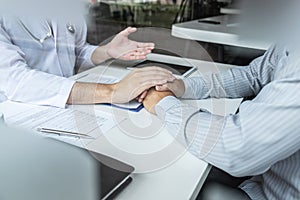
[[194, 88], [89, 53], [87, 56], [166, 104], [64, 93]]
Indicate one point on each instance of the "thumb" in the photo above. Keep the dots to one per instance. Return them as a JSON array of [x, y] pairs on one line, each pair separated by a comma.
[[128, 31]]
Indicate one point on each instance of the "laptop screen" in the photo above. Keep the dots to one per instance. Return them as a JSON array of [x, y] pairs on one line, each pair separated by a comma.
[[34, 167]]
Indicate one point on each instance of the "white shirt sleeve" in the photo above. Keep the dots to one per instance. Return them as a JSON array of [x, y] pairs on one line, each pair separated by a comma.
[[83, 50], [21, 83]]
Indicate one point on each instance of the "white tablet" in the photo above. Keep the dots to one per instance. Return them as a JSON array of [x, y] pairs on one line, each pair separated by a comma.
[[178, 70]]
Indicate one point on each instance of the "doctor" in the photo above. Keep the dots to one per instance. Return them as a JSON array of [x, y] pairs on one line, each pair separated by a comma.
[[37, 57]]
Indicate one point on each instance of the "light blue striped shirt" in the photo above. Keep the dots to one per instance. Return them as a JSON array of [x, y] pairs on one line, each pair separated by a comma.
[[263, 139]]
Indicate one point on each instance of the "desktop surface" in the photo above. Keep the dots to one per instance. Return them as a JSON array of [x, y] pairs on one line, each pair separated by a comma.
[[158, 182]]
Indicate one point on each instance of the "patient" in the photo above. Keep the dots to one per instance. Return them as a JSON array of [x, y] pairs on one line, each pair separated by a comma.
[[262, 140]]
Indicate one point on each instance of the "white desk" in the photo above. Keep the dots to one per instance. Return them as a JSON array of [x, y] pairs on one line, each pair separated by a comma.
[[180, 179], [230, 10], [224, 33]]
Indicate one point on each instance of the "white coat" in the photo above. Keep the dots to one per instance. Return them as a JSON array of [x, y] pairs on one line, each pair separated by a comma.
[[37, 72]]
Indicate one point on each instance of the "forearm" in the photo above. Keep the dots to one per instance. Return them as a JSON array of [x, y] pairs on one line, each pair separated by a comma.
[[91, 93], [245, 144], [203, 135], [234, 83], [129, 88], [100, 55]]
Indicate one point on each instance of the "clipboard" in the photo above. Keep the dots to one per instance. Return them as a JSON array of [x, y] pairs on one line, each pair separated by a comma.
[[135, 108]]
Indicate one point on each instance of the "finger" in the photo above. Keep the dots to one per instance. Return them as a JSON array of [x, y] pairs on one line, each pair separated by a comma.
[[164, 78], [138, 49], [150, 48], [145, 86], [133, 51], [145, 45], [138, 55], [152, 71], [151, 83], [144, 76], [128, 31], [139, 99], [142, 50], [143, 96], [137, 52], [162, 88], [132, 57]]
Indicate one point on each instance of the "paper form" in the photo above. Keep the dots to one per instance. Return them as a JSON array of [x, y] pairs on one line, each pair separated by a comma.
[[63, 119]]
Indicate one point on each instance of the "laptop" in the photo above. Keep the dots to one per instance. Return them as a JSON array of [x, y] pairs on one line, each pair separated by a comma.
[[34, 167]]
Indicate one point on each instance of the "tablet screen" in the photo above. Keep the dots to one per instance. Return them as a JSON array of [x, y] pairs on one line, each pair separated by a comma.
[[179, 70]]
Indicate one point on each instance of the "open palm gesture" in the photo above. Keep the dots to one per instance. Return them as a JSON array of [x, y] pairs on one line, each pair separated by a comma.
[[125, 49]]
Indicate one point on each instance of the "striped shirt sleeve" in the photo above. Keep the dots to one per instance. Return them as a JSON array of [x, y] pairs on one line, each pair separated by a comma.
[[246, 144], [234, 83], [264, 132]]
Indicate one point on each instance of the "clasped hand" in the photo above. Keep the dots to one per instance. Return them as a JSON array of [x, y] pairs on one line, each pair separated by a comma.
[[152, 97], [149, 85], [138, 81], [136, 85]]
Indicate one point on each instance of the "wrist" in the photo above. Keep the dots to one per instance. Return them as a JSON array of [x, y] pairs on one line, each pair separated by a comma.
[[100, 55], [166, 104], [181, 88], [106, 49], [153, 98], [104, 93]]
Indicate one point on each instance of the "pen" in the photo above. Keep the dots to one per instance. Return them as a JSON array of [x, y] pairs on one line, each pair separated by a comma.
[[64, 133], [2, 120], [82, 76]]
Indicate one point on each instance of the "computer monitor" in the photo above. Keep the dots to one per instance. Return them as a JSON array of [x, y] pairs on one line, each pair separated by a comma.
[[38, 168]]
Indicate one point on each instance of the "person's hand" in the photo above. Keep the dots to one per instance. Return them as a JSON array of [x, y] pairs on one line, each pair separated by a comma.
[[177, 87], [123, 48], [153, 98], [139, 81]]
